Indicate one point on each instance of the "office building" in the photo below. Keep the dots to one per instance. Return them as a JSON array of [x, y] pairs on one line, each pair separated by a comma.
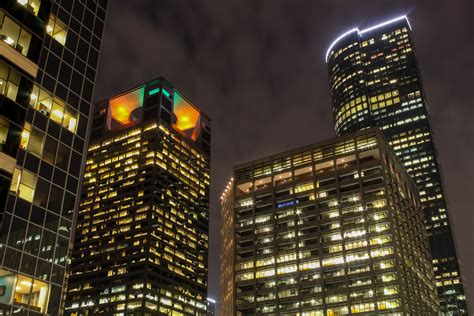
[[327, 229], [375, 81], [141, 243], [49, 52]]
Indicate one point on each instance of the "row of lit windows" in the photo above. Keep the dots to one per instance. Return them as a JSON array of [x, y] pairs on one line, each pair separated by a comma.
[[314, 264], [54, 108], [306, 172], [322, 153], [353, 106]]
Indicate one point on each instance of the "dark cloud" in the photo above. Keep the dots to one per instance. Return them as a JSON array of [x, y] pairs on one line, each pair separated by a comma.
[[257, 69]]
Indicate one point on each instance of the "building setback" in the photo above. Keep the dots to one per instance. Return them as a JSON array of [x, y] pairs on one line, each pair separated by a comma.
[[328, 229], [141, 244], [375, 81], [48, 59]]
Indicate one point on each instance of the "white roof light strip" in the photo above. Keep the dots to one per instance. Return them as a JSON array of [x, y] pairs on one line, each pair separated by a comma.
[[384, 23], [338, 39], [364, 31]]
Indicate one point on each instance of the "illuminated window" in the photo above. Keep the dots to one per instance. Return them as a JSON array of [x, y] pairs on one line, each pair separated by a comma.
[[188, 118], [23, 184], [244, 276], [387, 290], [364, 307], [12, 34], [30, 5], [244, 188], [41, 100], [262, 183], [126, 109], [32, 140], [56, 29], [9, 81], [4, 128], [63, 115], [388, 304], [24, 290], [265, 273]]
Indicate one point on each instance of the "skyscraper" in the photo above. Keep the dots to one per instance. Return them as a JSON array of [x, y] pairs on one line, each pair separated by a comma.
[[327, 229], [48, 58], [141, 244], [375, 81]]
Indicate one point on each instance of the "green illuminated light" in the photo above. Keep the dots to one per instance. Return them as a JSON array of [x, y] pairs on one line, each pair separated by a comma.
[[166, 93], [154, 91]]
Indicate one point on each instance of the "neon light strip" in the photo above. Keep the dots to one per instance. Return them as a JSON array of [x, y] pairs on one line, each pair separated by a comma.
[[384, 23], [166, 93], [154, 91], [364, 31], [338, 39]]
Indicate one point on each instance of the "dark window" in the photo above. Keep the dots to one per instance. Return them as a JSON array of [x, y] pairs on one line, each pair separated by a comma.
[[78, 10], [59, 177], [13, 256], [75, 165], [49, 151], [32, 243], [16, 237], [47, 243], [52, 221], [98, 28], [43, 270], [55, 199], [41, 193], [62, 158], [93, 57], [86, 34], [87, 90], [83, 49], [61, 91], [76, 82], [73, 100], [37, 215], [65, 74]]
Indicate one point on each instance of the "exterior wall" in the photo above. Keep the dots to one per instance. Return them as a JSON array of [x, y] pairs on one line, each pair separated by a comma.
[[49, 54], [141, 244], [227, 251], [375, 81], [328, 229]]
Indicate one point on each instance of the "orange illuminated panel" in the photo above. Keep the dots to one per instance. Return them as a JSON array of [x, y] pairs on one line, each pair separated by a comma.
[[125, 110], [188, 118]]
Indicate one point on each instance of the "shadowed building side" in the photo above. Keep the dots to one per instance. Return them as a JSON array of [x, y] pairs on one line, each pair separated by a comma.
[[49, 53]]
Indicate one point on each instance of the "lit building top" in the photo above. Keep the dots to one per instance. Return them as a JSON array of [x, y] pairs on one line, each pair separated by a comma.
[[361, 32], [155, 100]]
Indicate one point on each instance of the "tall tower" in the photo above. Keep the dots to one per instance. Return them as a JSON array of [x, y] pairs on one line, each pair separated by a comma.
[[332, 228], [141, 244], [48, 59], [375, 81]]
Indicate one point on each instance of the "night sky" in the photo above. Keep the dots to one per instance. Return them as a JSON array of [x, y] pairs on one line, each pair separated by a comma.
[[257, 69]]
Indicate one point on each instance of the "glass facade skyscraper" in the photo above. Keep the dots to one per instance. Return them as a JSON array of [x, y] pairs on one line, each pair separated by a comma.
[[49, 52], [375, 81], [141, 243], [333, 228]]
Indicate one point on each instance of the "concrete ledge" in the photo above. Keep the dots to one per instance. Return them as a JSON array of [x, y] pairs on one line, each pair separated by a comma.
[[18, 59]]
